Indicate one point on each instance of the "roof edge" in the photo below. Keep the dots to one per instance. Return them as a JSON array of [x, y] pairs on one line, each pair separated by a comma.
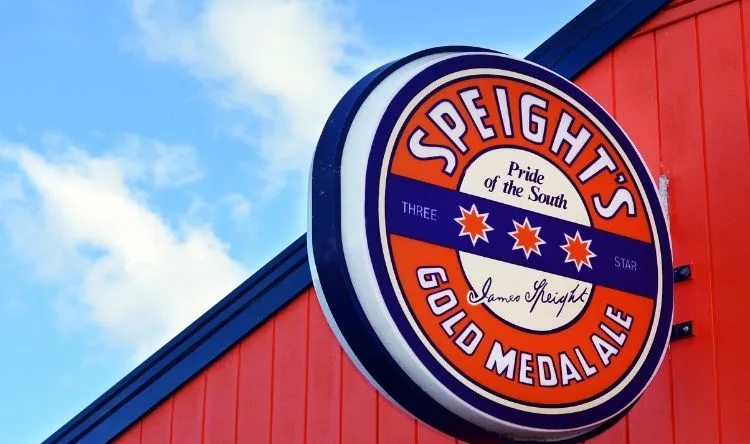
[[568, 52], [593, 32], [206, 339]]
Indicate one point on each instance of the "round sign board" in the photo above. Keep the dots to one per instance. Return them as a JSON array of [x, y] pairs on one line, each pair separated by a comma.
[[489, 248]]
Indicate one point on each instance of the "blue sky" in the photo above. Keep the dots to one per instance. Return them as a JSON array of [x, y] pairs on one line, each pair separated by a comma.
[[154, 153]]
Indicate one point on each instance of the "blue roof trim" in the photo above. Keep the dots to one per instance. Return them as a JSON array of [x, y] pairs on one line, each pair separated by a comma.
[[569, 51], [592, 33]]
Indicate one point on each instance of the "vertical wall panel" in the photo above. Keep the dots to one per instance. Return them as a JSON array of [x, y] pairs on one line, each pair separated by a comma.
[[323, 380], [428, 435], [157, 426], [694, 378], [290, 372], [636, 107], [221, 399], [618, 434], [359, 407], [728, 170], [650, 420], [187, 418], [394, 425], [132, 436], [637, 111], [597, 82], [255, 386]]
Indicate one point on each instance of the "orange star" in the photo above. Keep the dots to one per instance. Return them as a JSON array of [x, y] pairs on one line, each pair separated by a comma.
[[473, 224], [578, 251], [527, 238]]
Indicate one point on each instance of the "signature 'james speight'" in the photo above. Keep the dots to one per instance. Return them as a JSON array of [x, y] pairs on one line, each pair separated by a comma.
[[536, 295]]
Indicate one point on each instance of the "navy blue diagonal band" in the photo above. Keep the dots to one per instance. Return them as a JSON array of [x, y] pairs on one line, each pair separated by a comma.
[[437, 226]]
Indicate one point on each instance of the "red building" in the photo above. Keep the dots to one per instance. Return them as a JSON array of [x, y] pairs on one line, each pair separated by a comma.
[[263, 365]]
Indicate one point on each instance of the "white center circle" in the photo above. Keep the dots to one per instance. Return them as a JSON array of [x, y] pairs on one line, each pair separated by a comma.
[[522, 296]]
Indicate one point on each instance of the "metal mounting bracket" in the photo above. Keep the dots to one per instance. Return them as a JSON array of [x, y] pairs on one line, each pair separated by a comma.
[[682, 273], [681, 331]]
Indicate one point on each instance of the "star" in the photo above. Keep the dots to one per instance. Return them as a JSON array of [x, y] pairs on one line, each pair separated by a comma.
[[578, 251], [473, 224], [527, 238]]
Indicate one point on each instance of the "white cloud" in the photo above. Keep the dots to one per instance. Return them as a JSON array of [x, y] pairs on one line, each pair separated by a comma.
[[85, 222], [167, 165], [232, 206], [175, 165], [288, 61], [239, 207], [11, 188]]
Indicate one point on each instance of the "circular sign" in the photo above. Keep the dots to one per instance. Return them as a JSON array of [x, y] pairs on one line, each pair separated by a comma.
[[489, 247]]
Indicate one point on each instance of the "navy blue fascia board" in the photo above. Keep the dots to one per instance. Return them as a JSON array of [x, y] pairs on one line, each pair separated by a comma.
[[592, 33], [191, 351], [568, 52]]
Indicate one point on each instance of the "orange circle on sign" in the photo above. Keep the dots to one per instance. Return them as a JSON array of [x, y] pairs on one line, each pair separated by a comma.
[[589, 355]]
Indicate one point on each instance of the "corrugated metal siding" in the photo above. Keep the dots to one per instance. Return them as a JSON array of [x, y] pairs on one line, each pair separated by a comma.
[[288, 382], [680, 91]]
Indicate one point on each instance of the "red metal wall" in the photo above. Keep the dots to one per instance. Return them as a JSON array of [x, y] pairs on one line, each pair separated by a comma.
[[679, 87], [289, 382]]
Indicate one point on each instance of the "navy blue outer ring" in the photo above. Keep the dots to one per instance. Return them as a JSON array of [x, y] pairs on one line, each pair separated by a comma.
[[324, 238], [387, 123]]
